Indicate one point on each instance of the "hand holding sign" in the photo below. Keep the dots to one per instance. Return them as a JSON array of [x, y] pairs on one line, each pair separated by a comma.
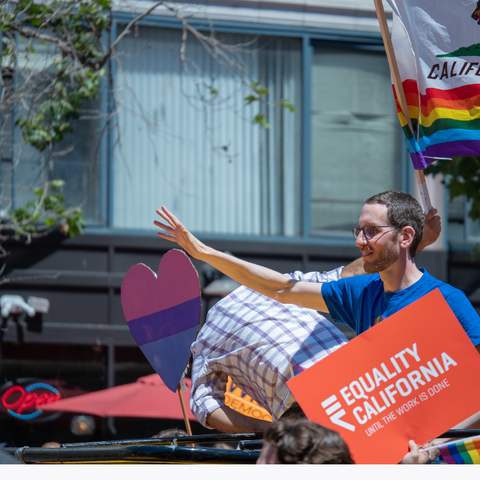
[[411, 377]]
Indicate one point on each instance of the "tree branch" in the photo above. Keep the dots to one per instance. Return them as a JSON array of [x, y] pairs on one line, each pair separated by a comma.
[[126, 30]]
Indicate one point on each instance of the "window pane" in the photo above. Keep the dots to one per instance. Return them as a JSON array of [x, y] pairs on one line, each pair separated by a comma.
[[187, 139], [456, 219], [355, 135], [6, 146], [77, 161], [475, 230], [461, 228], [74, 159]]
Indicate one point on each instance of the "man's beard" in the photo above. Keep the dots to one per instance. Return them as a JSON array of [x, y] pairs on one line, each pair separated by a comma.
[[388, 258]]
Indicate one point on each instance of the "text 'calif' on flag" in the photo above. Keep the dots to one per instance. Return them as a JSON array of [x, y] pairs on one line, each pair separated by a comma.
[[437, 47]]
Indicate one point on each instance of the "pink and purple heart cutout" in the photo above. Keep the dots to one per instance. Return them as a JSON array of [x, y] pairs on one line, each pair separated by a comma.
[[163, 313]]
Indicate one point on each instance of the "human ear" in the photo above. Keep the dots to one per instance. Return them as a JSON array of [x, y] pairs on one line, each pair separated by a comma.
[[407, 236]]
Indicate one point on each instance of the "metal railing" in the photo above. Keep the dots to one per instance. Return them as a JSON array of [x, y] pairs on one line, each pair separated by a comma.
[[170, 450]]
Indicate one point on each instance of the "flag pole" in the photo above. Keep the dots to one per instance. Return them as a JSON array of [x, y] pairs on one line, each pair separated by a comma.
[[184, 411], [453, 442], [397, 83]]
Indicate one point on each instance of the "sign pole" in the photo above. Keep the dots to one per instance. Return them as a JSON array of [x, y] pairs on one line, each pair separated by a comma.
[[184, 410], [397, 83]]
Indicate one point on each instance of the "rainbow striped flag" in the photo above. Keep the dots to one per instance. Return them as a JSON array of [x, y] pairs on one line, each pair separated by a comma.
[[437, 47], [465, 451]]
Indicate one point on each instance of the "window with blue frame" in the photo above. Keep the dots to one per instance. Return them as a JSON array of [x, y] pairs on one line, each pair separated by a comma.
[[201, 155], [355, 150], [186, 137]]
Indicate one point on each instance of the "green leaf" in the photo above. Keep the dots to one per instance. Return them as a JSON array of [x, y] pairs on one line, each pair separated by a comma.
[[106, 4], [20, 211], [29, 228], [52, 199], [57, 184], [261, 120], [284, 103], [250, 99]]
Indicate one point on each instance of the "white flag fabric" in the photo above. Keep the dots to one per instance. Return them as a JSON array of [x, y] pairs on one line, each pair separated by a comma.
[[437, 46]]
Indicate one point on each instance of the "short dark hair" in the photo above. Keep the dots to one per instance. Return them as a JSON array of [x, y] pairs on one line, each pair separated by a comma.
[[301, 441], [403, 211]]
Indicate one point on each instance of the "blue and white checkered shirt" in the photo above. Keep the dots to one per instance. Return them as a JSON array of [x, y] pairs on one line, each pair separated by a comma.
[[257, 341]]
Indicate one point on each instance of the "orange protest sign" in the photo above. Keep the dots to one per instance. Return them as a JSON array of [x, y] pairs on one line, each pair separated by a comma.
[[243, 403], [411, 377]]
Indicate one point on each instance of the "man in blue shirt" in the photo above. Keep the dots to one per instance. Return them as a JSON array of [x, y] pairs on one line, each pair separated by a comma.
[[391, 227]]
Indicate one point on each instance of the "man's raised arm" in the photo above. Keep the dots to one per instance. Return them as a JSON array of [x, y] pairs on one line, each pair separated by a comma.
[[261, 279]]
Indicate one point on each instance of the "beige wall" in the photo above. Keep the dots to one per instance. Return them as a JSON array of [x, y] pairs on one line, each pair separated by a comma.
[[436, 192]]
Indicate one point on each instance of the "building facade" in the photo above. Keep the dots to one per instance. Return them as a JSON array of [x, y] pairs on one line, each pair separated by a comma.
[[185, 136]]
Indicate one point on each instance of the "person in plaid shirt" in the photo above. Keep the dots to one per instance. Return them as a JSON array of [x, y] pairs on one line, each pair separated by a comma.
[[260, 343]]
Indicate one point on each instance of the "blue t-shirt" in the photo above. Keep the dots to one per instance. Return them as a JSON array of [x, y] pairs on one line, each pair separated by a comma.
[[360, 302]]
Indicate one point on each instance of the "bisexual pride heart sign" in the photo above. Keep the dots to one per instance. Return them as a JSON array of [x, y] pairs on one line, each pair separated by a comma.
[[163, 313]]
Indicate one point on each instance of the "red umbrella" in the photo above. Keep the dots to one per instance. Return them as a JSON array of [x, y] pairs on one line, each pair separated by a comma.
[[147, 397]]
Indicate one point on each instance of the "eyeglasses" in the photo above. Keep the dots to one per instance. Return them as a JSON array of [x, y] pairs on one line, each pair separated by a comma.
[[368, 231]]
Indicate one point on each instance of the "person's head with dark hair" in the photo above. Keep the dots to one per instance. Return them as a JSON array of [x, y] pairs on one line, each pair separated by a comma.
[[171, 432], [300, 441], [402, 211]]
